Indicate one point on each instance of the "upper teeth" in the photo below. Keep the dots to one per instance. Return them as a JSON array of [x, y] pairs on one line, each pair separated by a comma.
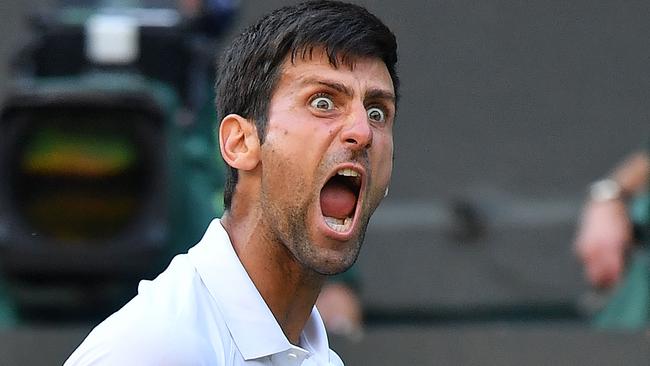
[[348, 172]]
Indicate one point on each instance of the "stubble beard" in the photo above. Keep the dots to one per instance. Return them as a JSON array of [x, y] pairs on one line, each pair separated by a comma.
[[288, 223], [289, 228]]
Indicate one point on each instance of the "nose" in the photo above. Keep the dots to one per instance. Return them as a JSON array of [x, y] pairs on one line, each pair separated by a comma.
[[357, 133]]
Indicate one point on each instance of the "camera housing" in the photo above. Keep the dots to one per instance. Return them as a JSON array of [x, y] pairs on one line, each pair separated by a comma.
[[108, 162]]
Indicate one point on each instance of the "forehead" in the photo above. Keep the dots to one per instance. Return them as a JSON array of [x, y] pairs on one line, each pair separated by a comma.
[[363, 72]]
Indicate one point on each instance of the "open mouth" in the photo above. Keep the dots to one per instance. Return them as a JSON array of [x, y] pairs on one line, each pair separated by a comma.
[[339, 197]]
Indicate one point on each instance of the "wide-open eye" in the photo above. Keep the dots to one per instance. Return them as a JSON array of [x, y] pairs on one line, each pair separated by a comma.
[[322, 103], [375, 114]]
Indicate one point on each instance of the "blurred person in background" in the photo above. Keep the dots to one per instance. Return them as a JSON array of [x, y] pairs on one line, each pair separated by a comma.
[[613, 220], [209, 16]]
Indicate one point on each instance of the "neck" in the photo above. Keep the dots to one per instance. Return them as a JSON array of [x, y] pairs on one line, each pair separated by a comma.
[[289, 289]]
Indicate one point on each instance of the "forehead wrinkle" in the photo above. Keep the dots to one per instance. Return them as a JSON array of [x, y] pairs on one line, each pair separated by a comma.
[[372, 93], [339, 87]]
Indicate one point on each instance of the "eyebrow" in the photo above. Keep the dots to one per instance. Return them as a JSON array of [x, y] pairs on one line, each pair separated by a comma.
[[374, 93], [380, 94]]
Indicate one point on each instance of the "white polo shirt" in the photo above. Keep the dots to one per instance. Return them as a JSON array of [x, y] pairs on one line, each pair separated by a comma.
[[202, 310]]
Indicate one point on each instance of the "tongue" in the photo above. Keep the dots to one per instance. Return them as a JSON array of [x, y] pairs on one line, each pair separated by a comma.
[[337, 200]]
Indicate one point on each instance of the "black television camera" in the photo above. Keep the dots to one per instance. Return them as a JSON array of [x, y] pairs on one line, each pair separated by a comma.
[[108, 164]]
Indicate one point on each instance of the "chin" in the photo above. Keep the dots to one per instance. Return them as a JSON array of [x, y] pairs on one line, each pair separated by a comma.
[[333, 257], [331, 268]]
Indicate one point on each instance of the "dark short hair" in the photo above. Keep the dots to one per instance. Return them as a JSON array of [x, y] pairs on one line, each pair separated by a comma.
[[250, 68]]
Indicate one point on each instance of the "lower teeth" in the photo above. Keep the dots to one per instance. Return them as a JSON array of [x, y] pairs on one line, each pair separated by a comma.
[[338, 225]]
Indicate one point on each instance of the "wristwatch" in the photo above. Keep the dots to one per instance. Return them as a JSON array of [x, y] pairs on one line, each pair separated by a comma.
[[605, 190]]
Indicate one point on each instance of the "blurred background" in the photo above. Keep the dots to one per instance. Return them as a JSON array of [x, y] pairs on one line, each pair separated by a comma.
[[509, 110]]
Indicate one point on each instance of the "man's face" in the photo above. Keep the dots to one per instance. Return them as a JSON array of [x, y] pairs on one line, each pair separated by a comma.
[[327, 157]]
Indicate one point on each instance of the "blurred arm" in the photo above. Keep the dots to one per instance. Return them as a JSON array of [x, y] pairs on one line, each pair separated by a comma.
[[605, 230]]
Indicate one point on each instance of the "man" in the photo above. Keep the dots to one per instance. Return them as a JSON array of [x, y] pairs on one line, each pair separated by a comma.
[[307, 98]]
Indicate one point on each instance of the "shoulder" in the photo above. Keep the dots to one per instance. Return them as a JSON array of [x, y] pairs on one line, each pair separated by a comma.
[[152, 345], [170, 322]]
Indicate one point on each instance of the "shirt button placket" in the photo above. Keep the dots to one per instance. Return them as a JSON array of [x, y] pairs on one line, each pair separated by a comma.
[[287, 358], [292, 358]]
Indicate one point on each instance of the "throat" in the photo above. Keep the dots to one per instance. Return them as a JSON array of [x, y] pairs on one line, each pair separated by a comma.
[[292, 301], [337, 200]]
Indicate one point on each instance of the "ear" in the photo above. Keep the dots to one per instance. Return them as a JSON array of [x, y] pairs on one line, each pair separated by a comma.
[[238, 141]]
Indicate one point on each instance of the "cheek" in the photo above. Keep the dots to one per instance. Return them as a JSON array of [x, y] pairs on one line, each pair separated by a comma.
[[283, 169], [384, 163]]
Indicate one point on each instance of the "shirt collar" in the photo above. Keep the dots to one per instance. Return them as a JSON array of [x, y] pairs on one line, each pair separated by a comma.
[[249, 320], [314, 337]]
